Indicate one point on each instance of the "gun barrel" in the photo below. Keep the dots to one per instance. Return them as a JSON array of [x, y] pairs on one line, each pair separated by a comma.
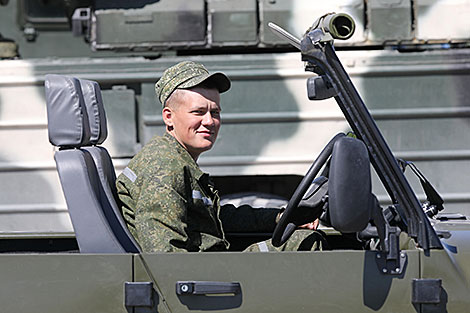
[[340, 25]]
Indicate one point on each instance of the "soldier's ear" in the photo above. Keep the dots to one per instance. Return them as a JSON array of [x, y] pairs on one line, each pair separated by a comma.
[[167, 115]]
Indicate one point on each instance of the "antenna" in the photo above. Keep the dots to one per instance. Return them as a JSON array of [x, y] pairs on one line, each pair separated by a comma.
[[284, 34]]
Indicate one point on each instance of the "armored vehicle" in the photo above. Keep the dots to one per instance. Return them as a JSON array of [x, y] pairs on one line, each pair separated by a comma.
[[391, 246]]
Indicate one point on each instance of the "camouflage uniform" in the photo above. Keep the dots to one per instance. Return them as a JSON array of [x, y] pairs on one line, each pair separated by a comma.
[[301, 240], [170, 205]]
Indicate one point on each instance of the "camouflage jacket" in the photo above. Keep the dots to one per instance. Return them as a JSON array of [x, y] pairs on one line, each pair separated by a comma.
[[170, 205]]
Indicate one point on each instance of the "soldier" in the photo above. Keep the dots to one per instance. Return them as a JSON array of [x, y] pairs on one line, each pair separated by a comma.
[[168, 203]]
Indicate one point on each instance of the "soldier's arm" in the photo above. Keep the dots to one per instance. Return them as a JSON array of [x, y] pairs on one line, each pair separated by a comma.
[[160, 219], [248, 219]]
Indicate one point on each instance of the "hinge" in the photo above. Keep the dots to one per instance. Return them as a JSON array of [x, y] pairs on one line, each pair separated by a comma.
[[391, 265], [390, 259]]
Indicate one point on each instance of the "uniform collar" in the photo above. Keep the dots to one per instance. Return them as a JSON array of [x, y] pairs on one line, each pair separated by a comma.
[[184, 154]]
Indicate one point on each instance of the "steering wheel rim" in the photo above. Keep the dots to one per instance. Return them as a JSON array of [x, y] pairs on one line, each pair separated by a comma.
[[285, 228]]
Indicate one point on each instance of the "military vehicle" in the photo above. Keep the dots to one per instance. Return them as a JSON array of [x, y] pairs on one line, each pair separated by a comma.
[[406, 263]]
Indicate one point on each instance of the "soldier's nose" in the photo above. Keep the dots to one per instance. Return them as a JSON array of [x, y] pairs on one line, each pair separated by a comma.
[[207, 119]]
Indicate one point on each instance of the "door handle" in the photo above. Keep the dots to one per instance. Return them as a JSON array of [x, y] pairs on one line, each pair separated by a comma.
[[207, 287]]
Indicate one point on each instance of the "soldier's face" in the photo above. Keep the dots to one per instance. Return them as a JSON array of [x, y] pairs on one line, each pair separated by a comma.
[[194, 120]]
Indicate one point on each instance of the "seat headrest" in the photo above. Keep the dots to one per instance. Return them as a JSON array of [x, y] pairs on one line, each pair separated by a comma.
[[95, 109], [67, 117]]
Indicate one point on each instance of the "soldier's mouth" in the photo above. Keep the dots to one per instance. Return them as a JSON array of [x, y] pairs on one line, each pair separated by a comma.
[[206, 133]]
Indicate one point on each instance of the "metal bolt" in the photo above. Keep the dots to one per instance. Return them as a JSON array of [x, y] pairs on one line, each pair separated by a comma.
[[397, 270], [184, 288], [402, 255], [378, 256], [384, 270]]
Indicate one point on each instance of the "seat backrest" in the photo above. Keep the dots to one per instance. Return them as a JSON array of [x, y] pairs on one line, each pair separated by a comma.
[[97, 119], [69, 130]]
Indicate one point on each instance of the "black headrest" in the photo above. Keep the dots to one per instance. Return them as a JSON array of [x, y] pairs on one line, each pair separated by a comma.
[[66, 113], [95, 109]]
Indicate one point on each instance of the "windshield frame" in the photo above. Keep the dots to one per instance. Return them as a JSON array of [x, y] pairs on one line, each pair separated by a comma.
[[321, 58]]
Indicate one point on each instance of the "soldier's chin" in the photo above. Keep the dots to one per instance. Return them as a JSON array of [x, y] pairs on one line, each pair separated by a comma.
[[205, 145], [209, 145], [210, 140]]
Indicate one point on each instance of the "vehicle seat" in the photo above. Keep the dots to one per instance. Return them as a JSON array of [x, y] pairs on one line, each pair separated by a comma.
[[98, 126], [89, 207]]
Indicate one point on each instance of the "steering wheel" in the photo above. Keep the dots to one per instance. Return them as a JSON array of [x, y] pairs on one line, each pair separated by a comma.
[[285, 227]]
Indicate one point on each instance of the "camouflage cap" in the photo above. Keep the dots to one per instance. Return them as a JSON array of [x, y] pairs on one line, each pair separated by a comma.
[[188, 74]]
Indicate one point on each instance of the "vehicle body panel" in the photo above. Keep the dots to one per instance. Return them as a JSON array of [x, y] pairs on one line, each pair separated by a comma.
[[270, 282], [452, 264], [70, 282], [328, 281]]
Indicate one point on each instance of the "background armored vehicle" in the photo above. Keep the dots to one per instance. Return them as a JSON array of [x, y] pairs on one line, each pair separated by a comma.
[[411, 76]]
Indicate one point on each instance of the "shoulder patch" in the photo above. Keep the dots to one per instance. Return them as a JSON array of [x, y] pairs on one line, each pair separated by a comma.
[[129, 174]]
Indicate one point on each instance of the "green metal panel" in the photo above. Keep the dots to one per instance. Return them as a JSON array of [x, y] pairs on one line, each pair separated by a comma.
[[333, 281], [233, 22], [121, 113], [143, 274], [452, 265], [48, 43], [389, 20], [164, 24], [181, 24], [64, 282]]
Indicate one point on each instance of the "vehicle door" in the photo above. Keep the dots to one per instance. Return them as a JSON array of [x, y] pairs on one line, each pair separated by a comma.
[[322, 281]]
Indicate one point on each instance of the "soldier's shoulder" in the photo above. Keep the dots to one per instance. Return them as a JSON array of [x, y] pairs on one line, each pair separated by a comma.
[[156, 150], [158, 155]]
